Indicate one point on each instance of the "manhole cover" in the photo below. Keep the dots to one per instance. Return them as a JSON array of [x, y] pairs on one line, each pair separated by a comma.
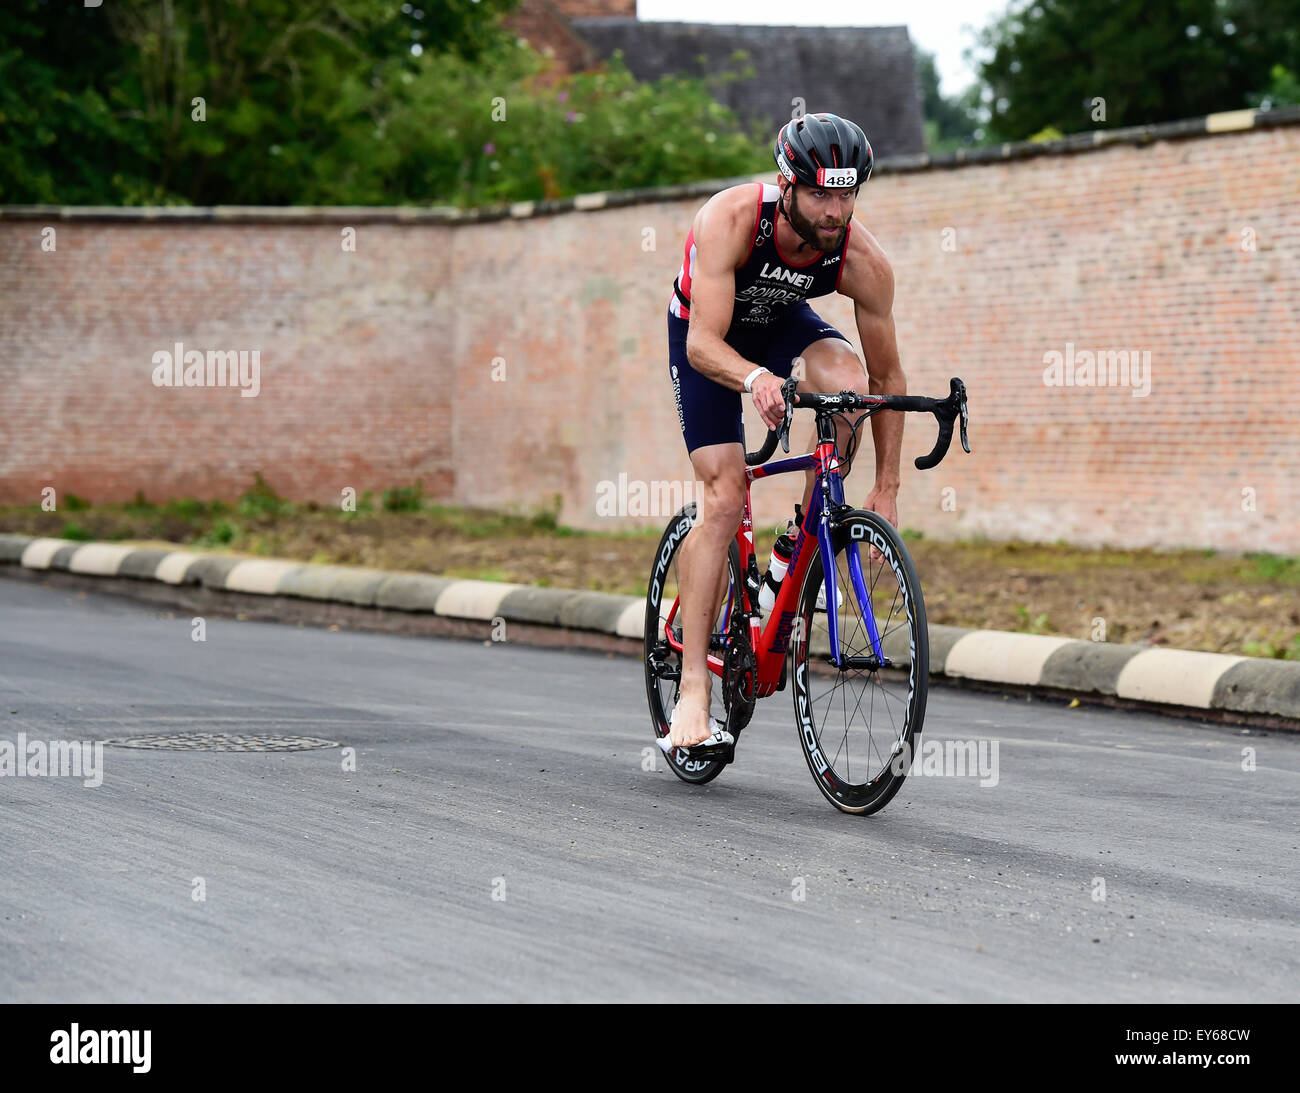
[[220, 741]]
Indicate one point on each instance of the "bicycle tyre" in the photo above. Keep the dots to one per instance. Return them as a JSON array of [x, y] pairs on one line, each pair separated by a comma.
[[893, 748]]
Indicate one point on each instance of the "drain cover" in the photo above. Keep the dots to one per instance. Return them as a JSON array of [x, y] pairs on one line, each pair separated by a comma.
[[219, 741]]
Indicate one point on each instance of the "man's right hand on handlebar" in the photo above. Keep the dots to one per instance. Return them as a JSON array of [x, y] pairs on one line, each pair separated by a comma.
[[768, 400]]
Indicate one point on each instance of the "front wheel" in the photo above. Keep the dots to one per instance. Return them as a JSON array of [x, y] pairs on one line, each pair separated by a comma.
[[857, 715]]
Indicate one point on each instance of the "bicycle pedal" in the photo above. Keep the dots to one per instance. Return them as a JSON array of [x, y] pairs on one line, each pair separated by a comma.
[[708, 753], [711, 750]]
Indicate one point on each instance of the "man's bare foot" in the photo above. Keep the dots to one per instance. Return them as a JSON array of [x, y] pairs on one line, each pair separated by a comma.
[[690, 721]]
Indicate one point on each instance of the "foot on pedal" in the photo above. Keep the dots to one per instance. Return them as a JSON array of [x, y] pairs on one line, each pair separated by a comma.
[[721, 745]]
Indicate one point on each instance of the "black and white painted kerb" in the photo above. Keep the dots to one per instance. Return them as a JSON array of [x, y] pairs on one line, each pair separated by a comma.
[[1162, 677]]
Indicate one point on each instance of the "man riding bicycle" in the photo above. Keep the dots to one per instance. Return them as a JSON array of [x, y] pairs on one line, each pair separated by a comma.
[[738, 319]]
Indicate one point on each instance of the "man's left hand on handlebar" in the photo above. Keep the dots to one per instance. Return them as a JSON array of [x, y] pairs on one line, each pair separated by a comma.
[[768, 400]]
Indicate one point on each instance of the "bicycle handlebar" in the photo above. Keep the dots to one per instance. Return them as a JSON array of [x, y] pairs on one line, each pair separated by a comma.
[[946, 411]]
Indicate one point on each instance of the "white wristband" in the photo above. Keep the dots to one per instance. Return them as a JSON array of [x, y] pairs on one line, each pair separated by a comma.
[[753, 376]]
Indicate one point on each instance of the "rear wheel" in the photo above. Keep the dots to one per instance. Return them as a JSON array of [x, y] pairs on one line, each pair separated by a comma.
[[663, 663], [858, 720]]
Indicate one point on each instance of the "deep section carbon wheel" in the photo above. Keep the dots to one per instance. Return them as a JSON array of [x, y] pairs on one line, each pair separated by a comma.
[[858, 717], [663, 663]]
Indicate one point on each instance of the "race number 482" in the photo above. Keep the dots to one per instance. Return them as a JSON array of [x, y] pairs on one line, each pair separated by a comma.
[[837, 176]]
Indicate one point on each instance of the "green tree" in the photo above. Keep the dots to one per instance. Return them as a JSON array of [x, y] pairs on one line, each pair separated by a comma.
[[98, 104], [330, 102], [950, 123], [1049, 62], [1283, 90]]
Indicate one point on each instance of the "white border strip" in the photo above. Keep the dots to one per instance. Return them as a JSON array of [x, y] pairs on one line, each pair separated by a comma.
[[257, 576], [1179, 677], [100, 559], [172, 569], [631, 623], [1000, 657], [38, 553], [474, 599]]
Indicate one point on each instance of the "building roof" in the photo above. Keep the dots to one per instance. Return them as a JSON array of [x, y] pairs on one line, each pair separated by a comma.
[[867, 74]]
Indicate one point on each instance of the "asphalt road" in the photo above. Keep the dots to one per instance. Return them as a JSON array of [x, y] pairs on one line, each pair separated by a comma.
[[499, 838]]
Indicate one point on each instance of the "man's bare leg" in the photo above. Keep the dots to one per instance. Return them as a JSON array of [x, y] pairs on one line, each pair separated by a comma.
[[720, 470]]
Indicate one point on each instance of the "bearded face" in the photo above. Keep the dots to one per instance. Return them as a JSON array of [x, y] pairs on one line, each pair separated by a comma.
[[819, 218]]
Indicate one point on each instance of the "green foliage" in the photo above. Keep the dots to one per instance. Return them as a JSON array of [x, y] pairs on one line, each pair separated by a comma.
[[326, 103], [73, 503], [261, 500], [547, 517], [1038, 624], [73, 530], [139, 505], [1046, 62], [589, 131], [404, 498], [950, 123], [186, 508], [1283, 89], [1276, 652], [1276, 567], [222, 533]]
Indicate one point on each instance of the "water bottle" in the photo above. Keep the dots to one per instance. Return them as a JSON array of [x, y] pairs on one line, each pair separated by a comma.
[[782, 552]]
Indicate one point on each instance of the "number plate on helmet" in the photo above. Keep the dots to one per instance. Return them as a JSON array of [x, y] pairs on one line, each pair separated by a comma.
[[837, 176]]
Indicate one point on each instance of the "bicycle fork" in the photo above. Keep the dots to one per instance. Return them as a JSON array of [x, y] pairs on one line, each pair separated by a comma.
[[828, 505]]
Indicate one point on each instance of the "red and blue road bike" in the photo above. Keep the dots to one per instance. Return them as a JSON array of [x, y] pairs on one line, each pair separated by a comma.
[[860, 668]]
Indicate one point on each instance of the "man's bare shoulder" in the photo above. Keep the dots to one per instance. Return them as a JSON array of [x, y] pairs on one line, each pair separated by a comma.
[[727, 220], [741, 200], [868, 278]]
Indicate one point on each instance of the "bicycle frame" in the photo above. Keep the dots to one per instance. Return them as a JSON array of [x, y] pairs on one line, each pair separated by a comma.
[[770, 642]]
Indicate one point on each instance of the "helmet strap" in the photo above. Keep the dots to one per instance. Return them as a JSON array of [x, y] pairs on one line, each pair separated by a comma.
[[780, 204]]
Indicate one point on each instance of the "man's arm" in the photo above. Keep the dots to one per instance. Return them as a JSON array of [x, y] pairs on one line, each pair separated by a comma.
[[721, 243], [869, 281]]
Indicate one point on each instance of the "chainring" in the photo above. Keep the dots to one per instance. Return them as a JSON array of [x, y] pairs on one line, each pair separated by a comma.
[[739, 678]]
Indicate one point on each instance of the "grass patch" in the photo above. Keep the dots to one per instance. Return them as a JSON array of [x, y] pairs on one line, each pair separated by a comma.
[[221, 534], [1276, 652], [404, 498], [1276, 567]]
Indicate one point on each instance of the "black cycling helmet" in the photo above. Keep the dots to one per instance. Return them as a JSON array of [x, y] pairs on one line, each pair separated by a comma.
[[823, 150]]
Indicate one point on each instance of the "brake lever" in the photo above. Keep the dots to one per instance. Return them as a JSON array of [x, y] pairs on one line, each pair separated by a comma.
[[787, 392], [959, 392]]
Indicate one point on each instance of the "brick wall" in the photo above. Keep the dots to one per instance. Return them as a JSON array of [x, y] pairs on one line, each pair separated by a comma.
[[378, 366], [594, 9], [354, 353], [541, 24]]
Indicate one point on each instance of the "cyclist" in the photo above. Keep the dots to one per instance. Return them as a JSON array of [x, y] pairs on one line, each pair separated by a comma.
[[738, 318]]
